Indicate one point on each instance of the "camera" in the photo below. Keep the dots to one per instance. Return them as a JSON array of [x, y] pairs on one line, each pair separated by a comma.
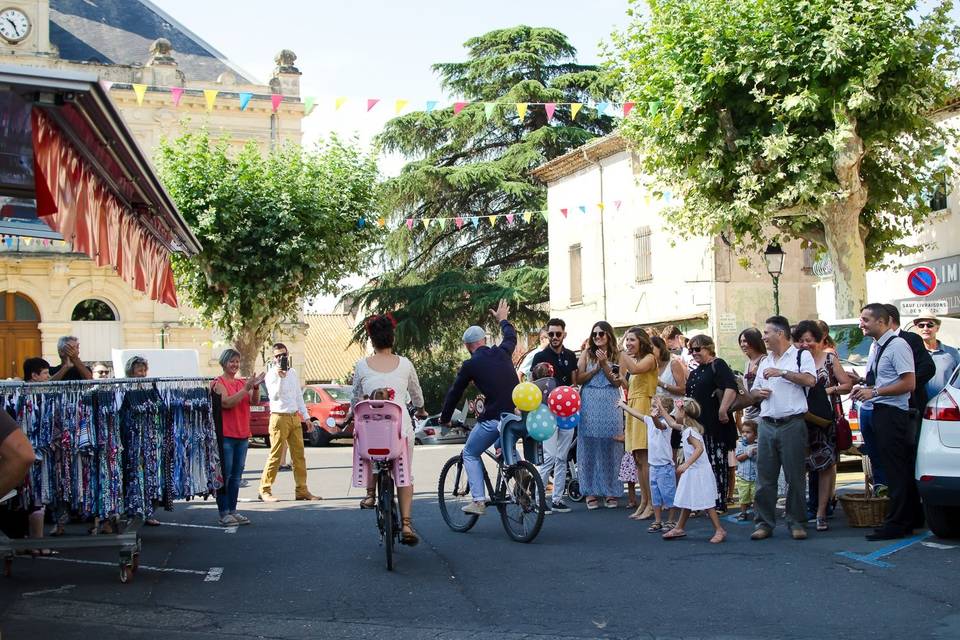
[[284, 362], [616, 369]]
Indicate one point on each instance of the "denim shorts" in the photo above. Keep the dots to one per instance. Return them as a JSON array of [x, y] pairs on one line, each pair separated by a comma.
[[663, 484]]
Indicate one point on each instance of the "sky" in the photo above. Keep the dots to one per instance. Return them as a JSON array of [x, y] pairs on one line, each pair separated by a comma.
[[376, 49]]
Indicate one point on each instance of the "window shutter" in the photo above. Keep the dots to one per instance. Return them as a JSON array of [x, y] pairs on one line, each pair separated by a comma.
[[576, 275], [643, 252]]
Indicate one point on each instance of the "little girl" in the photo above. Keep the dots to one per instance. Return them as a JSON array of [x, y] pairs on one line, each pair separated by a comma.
[[697, 490]]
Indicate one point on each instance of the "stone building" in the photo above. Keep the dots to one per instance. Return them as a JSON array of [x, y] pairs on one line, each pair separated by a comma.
[[46, 289]]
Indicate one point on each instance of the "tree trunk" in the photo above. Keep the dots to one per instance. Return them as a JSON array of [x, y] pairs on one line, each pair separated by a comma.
[[847, 255], [248, 343]]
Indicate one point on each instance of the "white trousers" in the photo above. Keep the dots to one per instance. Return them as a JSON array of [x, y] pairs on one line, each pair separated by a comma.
[[555, 450]]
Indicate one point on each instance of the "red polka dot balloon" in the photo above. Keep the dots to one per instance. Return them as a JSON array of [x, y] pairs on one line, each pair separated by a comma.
[[564, 401]]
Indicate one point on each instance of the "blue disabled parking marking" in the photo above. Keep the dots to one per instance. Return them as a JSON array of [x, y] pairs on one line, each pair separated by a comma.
[[734, 520], [874, 559]]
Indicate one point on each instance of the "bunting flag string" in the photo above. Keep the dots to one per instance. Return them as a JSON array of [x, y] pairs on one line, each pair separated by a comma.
[[399, 105]]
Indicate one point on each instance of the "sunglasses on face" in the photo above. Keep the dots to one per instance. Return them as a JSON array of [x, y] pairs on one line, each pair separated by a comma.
[[555, 334], [597, 334], [279, 355], [695, 349], [926, 325]]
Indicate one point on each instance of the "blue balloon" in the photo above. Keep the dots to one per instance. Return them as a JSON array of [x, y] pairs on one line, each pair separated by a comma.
[[540, 423], [568, 422]]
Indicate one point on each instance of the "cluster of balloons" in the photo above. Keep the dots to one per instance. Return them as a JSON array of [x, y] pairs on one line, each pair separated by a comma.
[[548, 407]]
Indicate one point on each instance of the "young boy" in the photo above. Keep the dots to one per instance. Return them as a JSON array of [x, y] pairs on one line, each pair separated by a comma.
[[746, 454], [663, 474]]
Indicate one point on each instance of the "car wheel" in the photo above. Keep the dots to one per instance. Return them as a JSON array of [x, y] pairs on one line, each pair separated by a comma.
[[318, 436], [417, 441], [943, 521]]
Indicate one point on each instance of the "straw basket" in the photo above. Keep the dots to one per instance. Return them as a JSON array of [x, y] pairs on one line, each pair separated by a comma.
[[862, 510]]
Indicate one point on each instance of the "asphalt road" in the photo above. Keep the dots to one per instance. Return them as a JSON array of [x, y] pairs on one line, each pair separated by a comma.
[[316, 571]]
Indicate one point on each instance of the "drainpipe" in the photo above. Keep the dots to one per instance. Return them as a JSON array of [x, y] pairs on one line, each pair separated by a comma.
[[603, 240]]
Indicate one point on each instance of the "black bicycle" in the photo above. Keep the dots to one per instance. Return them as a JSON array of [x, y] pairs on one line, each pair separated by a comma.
[[517, 493], [387, 509]]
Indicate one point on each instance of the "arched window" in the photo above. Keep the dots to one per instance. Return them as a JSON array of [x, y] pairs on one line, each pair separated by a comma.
[[93, 310], [15, 307]]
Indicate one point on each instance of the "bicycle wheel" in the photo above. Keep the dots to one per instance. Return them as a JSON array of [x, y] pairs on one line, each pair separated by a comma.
[[386, 516], [453, 493], [524, 502], [573, 483]]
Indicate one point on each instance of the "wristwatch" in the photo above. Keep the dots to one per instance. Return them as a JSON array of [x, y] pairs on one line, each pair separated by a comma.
[[875, 392]]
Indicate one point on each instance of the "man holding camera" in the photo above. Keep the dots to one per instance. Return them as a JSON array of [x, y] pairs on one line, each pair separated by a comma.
[[286, 402]]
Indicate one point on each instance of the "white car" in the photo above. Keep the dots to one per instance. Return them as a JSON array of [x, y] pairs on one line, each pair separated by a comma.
[[938, 461]]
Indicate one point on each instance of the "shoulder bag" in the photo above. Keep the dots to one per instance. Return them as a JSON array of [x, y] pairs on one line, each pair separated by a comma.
[[820, 411]]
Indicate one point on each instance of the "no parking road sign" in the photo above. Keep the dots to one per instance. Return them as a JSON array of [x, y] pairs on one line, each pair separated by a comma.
[[922, 281]]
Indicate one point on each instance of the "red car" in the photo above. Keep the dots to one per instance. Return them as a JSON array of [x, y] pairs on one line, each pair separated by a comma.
[[327, 401]]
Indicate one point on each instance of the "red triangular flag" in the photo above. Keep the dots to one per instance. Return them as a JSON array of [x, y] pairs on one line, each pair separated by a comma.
[[550, 107], [617, 204], [176, 94], [372, 102], [564, 212], [458, 106], [410, 224], [510, 218], [275, 100], [627, 107], [459, 221]]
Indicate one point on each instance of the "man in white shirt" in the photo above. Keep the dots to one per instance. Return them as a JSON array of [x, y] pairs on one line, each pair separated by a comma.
[[781, 387], [286, 402]]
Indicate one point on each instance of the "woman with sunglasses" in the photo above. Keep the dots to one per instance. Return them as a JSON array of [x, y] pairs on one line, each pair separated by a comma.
[[598, 452], [713, 385]]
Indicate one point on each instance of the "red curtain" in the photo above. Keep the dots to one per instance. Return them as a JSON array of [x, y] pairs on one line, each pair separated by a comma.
[[73, 201]]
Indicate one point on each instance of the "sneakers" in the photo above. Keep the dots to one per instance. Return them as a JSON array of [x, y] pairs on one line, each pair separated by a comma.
[[228, 521], [560, 507], [475, 508]]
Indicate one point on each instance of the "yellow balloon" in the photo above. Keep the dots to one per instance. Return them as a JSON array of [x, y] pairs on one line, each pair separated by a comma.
[[527, 396]]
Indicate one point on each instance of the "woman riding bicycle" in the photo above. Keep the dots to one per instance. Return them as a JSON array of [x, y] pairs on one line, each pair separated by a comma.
[[386, 371]]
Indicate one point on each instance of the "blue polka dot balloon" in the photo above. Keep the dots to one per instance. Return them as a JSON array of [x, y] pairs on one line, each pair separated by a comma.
[[568, 422], [540, 423]]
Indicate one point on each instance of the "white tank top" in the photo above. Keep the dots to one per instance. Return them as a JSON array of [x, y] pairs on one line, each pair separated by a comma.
[[666, 377]]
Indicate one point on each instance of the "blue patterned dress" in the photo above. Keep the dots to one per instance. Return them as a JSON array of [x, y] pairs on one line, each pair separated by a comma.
[[598, 454]]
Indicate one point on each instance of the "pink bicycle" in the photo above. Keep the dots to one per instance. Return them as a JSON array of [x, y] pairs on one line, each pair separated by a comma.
[[379, 449]]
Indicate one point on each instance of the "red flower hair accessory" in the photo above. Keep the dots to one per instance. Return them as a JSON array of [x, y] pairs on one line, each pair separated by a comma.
[[377, 316]]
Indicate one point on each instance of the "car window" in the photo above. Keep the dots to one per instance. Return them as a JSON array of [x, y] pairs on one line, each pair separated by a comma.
[[309, 396], [955, 379], [852, 346], [264, 394], [339, 394]]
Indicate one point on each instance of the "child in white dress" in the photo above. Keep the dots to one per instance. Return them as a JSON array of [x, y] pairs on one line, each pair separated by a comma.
[[697, 489]]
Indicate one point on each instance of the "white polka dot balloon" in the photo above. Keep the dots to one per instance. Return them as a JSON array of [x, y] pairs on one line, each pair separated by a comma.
[[564, 401]]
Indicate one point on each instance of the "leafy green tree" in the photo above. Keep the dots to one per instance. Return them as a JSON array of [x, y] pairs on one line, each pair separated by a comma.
[[476, 163], [802, 118], [275, 228]]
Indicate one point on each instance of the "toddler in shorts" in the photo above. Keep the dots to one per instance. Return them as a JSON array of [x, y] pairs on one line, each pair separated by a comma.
[[746, 454], [663, 473]]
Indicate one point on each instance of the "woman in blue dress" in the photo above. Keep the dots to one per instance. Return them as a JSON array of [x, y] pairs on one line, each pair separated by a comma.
[[601, 422]]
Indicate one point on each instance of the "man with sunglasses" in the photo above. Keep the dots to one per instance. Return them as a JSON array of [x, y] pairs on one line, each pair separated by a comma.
[[286, 411], [556, 448], [945, 357]]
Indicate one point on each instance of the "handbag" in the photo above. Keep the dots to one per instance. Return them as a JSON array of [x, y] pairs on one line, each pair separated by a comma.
[[742, 400], [843, 432], [820, 411]]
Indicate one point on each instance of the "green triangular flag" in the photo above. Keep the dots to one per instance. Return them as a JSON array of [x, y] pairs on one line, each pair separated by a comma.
[[443, 223], [546, 216], [654, 106], [308, 105], [488, 108]]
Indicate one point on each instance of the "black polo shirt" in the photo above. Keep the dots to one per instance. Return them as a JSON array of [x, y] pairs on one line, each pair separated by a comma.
[[564, 364]]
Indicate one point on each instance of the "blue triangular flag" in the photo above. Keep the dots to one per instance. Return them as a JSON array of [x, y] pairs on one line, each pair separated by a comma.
[[667, 195], [431, 105], [602, 108], [245, 100], [475, 221], [583, 208], [361, 223]]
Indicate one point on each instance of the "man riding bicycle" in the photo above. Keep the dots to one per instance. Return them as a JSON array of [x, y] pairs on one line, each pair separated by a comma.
[[491, 370]]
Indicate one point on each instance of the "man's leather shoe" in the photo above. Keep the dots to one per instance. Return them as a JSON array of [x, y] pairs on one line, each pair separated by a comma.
[[309, 496], [761, 533], [885, 534], [798, 534], [268, 497]]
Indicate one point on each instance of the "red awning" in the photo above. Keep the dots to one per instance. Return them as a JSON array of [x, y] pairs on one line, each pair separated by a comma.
[[75, 201]]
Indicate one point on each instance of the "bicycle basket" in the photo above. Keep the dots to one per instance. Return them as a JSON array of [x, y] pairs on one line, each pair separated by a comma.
[[378, 428]]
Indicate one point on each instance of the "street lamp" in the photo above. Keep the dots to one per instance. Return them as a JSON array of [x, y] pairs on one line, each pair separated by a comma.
[[773, 256]]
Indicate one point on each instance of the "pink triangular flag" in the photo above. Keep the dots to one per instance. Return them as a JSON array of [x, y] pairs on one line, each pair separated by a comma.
[[510, 218], [176, 94], [627, 107], [458, 221], [372, 102], [458, 107], [275, 100], [410, 224], [564, 212], [617, 204], [106, 84], [550, 107]]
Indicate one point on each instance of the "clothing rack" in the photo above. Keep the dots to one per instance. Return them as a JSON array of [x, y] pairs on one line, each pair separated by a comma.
[[131, 442]]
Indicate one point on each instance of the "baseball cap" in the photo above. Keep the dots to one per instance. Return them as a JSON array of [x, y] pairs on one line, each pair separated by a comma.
[[927, 315], [474, 334]]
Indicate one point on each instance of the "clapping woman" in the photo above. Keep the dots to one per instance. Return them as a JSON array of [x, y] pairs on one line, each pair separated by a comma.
[[639, 360]]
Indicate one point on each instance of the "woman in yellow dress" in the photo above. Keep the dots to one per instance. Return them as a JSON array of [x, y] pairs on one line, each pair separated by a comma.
[[639, 360]]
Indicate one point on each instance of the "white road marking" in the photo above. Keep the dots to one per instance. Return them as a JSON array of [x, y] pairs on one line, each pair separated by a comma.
[[63, 589], [210, 575], [937, 545], [200, 526]]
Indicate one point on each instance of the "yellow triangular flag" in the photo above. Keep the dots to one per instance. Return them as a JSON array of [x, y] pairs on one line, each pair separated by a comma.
[[527, 215], [600, 206], [139, 90], [211, 96], [400, 104], [426, 223], [339, 103], [493, 220], [382, 222], [575, 109], [521, 109]]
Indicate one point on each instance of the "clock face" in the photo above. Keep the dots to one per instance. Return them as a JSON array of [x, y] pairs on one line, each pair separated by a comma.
[[14, 25]]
